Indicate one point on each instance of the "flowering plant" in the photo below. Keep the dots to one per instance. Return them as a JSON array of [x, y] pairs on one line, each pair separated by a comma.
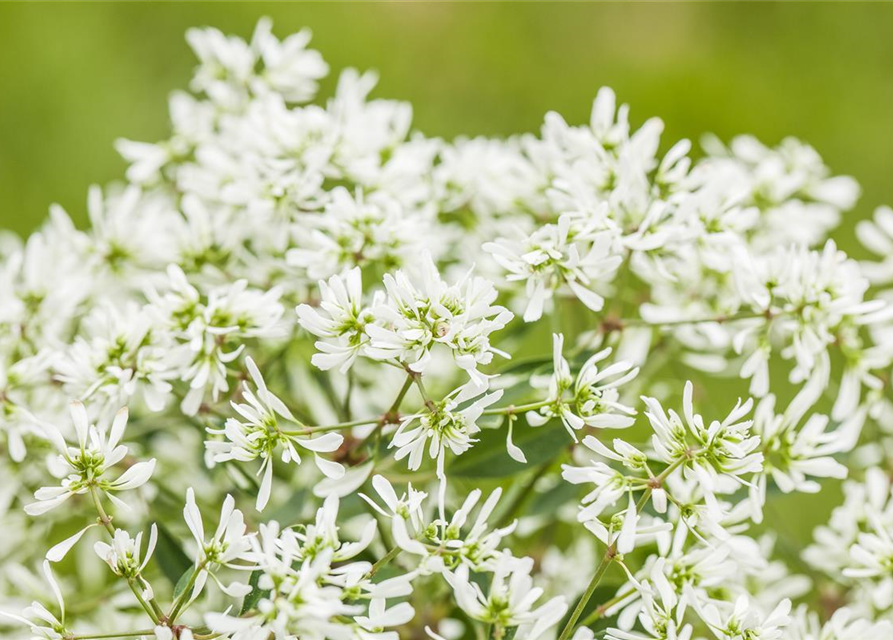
[[514, 365]]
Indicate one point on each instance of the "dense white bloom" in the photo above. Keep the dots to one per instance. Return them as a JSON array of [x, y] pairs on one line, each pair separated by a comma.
[[402, 255], [121, 355], [744, 621], [372, 230], [510, 600], [590, 399], [343, 325], [441, 427], [125, 556], [258, 434], [83, 467], [563, 254], [229, 543], [416, 318]]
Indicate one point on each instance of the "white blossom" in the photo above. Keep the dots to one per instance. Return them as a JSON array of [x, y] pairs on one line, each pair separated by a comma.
[[83, 467]]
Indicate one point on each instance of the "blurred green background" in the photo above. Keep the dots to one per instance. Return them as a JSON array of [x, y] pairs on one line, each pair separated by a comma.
[[73, 76]]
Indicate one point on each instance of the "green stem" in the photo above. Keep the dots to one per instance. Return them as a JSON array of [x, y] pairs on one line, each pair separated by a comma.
[[584, 599], [153, 610], [151, 606], [104, 519], [395, 406], [601, 609], [611, 551], [307, 431], [183, 598], [310, 430], [417, 378], [128, 634], [390, 555], [531, 406]]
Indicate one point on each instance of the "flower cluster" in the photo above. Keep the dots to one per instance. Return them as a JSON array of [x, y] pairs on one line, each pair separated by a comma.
[[513, 363]]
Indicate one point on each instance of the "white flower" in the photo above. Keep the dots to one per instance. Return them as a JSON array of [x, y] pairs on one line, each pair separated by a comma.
[[441, 427], [381, 617], [661, 614], [315, 538], [576, 255], [18, 422], [479, 547], [299, 602], [872, 553], [123, 555], [231, 69], [121, 355], [289, 68], [623, 529], [375, 231], [405, 512], [843, 625], [877, 236], [745, 621], [793, 452], [866, 505], [83, 467], [228, 544], [812, 294], [590, 400], [259, 434], [415, 319], [712, 453], [510, 600], [341, 323], [610, 485]]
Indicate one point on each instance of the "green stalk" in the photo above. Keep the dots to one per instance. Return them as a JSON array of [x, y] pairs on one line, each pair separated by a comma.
[[611, 551], [153, 611], [584, 599], [390, 555], [515, 409], [602, 608], [101, 636], [177, 607]]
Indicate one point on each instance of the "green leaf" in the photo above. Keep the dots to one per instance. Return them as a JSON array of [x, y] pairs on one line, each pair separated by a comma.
[[170, 557], [489, 458], [254, 596], [182, 582]]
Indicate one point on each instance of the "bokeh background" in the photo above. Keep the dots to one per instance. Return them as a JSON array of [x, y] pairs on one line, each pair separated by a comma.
[[74, 77]]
